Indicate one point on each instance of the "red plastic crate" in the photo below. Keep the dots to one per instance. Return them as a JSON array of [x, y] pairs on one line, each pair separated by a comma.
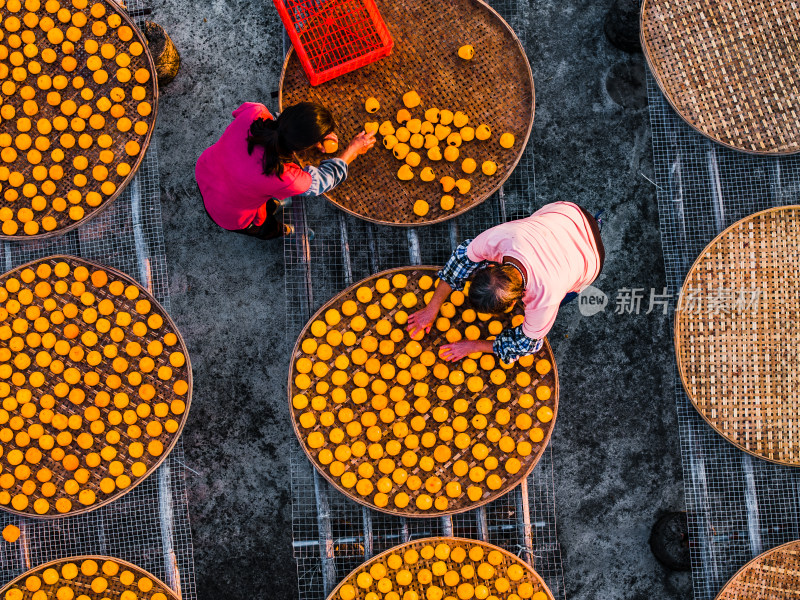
[[334, 37]]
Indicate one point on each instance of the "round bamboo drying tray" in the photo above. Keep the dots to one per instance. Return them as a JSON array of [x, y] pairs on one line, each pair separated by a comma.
[[495, 88], [773, 575], [729, 68], [443, 555], [738, 365], [517, 404], [135, 393], [81, 584], [30, 168]]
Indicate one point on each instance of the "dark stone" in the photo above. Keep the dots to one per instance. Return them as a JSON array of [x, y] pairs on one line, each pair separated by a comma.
[[626, 83], [165, 54], [622, 25], [669, 541]]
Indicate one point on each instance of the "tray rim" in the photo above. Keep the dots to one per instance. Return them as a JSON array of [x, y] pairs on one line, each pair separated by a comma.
[[188, 401], [496, 494], [661, 86], [126, 20], [448, 539], [749, 563], [483, 5], [681, 372], [84, 557]]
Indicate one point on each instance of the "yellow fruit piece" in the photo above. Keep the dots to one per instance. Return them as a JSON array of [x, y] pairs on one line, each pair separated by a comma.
[[543, 366], [332, 317], [371, 105], [434, 153], [427, 174], [451, 154], [468, 165], [543, 392], [11, 533], [371, 127], [507, 140], [489, 168], [402, 134], [413, 159], [403, 115], [544, 414], [421, 208], [483, 132], [401, 150], [405, 173], [466, 52], [390, 141], [463, 186], [474, 493], [411, 99], [460, 119], [386, 128]]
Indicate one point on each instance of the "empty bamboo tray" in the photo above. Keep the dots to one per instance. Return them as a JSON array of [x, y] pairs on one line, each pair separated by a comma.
[[773, 575], [92, 577], [494, 88], [78, 105], [729, 68], [443, 567], [736, 334], [400, 430], [95, 385]]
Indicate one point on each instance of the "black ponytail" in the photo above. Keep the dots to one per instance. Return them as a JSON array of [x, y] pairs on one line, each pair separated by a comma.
[[264, 133], [298, 128]]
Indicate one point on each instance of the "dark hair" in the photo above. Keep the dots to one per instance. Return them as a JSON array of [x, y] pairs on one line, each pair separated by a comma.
[[495, 289], [297, 128]]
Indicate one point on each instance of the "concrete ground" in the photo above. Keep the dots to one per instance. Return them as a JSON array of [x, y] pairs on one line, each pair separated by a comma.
[[616, 445]]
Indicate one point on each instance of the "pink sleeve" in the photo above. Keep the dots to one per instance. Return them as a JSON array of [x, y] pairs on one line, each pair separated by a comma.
[[254, 106], [295, 182], [539, 321], [484, 248]]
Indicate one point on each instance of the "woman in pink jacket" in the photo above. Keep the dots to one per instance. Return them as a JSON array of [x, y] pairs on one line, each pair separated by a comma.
[[249, 170]]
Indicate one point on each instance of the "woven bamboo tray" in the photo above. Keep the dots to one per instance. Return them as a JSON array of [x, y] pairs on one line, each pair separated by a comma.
[[773, 575], [117, 396], [122, 578], [729, 68], [495, 88], [440, 468], [461, 562], [739, 365], [66, 183]]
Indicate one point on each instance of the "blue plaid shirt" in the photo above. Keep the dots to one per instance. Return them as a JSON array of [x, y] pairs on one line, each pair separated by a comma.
[[330, 173], [511, 343]]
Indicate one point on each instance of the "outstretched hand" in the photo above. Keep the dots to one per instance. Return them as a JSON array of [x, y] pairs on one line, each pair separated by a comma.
[[422, 320], [458, 350]]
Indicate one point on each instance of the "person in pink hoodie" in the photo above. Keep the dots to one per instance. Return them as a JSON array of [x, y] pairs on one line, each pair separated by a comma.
[[543, 261], [249, 170]]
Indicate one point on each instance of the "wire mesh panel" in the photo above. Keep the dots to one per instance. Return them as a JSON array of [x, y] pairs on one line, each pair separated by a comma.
[[738, 505], [332, 535]]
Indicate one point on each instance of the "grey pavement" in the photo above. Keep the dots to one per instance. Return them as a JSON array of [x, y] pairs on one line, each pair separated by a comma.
[[616, 447]]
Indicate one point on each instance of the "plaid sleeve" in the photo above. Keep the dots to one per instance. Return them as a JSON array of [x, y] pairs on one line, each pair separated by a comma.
[[328, 175], [458, 269], [512, 344]]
